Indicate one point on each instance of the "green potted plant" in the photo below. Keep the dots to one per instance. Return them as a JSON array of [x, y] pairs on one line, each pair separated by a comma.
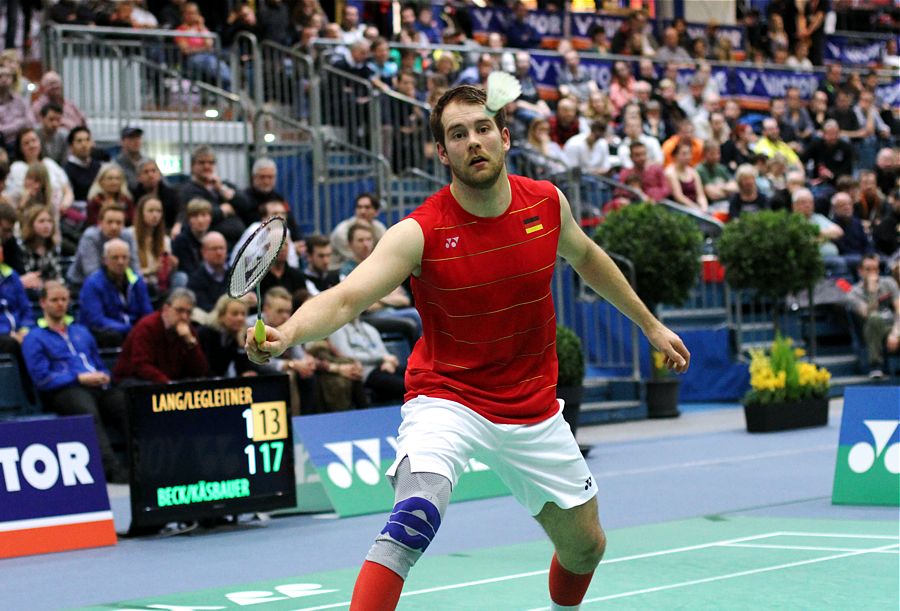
[[570, 383], [772, 254], [785, 392], [665, 249]]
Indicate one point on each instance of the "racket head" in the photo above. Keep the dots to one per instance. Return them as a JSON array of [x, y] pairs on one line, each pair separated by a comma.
[[256, 256]]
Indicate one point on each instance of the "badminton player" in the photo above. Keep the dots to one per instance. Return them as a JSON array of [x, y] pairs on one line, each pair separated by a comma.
[[481, 382]]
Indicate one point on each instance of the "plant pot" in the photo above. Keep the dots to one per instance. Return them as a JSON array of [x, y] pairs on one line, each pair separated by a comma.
[[787, 415], [662, 398], [573, 396]]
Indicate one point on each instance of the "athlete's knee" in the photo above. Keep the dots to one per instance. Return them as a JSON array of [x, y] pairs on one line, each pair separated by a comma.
[[422, 499], [584, 556]]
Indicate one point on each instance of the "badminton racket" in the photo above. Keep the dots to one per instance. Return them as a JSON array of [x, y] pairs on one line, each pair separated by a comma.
[[253, 261]]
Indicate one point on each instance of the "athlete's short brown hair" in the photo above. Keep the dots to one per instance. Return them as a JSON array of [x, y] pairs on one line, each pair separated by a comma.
[[464, 94]]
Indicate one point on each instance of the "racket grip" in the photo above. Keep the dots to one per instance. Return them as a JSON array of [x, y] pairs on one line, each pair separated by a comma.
[[259, 331]]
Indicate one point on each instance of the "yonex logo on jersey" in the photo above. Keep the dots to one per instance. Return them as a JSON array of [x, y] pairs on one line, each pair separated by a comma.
[[451, 242]]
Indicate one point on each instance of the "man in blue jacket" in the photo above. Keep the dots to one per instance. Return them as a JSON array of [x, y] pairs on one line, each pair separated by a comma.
[[65, 365], [114, 297], [15, 320]]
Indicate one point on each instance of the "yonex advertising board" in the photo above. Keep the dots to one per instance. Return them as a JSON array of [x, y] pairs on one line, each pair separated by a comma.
[[53, 493], [868, 458], [351, 451]]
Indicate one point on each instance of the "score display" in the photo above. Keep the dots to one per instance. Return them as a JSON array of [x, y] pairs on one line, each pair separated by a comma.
[[210, 448]]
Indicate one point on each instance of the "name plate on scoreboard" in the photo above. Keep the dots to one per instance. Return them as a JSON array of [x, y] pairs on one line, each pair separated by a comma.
[[52, 491], [210, 448]]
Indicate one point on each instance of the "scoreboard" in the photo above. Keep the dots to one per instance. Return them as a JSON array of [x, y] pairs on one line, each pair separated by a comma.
[[210, 448]]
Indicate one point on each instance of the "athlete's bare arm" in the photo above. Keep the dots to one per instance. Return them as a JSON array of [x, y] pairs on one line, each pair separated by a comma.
[[397, 255], [601, 273]]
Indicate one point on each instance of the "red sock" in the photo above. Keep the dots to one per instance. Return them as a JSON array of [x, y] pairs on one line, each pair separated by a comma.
[[566, 588], [377, 588]]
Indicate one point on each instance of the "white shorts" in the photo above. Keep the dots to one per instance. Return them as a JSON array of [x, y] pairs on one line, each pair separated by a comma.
[[539, 463]]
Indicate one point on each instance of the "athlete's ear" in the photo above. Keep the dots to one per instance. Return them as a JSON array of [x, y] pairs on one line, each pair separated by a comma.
[[442, 153], [507, 139]]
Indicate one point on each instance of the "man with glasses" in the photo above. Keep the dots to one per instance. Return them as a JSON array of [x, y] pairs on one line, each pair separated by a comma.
[[876, 300], [163, 346], [367, 207]]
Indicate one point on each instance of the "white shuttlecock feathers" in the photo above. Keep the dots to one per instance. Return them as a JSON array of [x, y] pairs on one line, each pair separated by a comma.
[[502, 88]]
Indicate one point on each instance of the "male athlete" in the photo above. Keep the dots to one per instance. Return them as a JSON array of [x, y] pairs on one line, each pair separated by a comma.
[[481, 382]]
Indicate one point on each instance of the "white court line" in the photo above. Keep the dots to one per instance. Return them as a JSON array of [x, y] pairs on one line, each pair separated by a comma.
[[804, 547], [545, 571], [839, 535], [715, 461], [733, 575]]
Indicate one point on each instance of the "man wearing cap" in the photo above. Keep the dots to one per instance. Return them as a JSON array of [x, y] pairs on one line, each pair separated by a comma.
[[130, 156]]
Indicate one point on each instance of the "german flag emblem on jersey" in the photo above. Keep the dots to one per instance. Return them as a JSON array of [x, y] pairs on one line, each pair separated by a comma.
[[533, 224]]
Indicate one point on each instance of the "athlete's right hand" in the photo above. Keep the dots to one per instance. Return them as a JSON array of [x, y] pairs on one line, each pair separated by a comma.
[[276, 343]]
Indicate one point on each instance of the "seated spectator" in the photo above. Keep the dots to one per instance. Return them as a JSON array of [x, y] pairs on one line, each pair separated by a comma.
[[718, 128], [633, 133], [876, 300], [208, 282], [685, 134], [718, 184], [382, 372], [130, 156], [392, 313], [53, 137], [267, 210], [199, 54], [873, 129], [691, 103], [654, 186], [670, 49], [529, 105], [544, 156], [150, 182], [163, 347], [685, 182], [110, 189], [771, 144], [654, 125], [855, 242], [15, 321], [842, 112], [830, 157], [12, 252], [15, 115], [886, 233], [587, 151], [887, 170], [782, 198], [206, 184], [574, 80], [736, 151], [702, 118], [747, 198], [295, 361], [88, 256], [52, 93], [366, 210], [222, 340], [318, 273], [114, 297], [37, 190], [262, 190], [282, 273], [803, 203], [671, 112], [778, 111], [796, 116], [520, 34], [477, 74], [870, 202], [818, 112], [158, 266], [622, 86], [28, 150], [831, 83], [565, 123], [186, 246], [776, 173], [40, 245], [81, 167], [800, 58], [66, 367]]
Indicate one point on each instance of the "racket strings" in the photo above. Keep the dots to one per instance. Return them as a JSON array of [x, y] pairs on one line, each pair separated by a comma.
[[256, 258]]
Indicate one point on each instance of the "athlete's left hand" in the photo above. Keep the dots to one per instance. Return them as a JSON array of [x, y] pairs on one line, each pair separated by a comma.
[[678, 358]]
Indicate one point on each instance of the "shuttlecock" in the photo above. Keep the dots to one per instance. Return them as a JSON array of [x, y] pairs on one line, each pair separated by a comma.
[[502, 88]]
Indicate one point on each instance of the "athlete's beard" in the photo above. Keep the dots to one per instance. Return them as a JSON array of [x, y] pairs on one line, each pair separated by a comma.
[[486, 181]]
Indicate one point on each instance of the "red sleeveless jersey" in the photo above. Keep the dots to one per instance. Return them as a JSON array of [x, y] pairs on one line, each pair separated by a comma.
[[489, 325]]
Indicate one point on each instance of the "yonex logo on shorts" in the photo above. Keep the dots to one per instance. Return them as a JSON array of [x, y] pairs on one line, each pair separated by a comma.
[[588, 483]]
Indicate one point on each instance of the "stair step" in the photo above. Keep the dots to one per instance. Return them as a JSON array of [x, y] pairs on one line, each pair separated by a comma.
[[693, 312], [831, 360], [595, 406]]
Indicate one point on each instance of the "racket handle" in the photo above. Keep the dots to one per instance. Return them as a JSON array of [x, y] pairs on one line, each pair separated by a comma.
[[259, 331]]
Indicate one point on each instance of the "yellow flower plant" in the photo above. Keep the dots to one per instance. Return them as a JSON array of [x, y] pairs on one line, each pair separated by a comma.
[[780, 376]]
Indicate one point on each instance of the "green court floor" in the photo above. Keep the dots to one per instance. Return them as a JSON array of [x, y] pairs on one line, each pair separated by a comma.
[[712, 563]]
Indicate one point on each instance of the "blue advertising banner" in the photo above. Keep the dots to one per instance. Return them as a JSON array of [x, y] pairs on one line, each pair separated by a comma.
[[53, 495], [890, 93], [487, 20], [843, 50], [754, 83], [352, 450]]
